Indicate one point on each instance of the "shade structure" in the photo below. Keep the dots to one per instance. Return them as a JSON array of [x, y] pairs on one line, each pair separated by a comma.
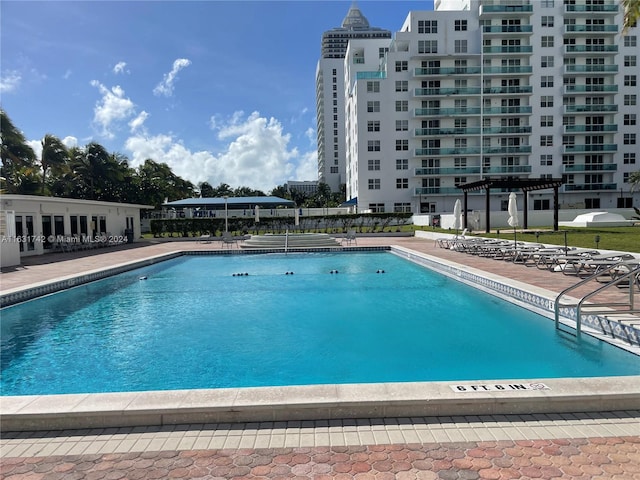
[[257, 209], [457, 215], [513, 210]]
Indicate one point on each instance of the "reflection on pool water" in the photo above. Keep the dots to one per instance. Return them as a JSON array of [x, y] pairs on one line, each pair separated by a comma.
[[258, 320]]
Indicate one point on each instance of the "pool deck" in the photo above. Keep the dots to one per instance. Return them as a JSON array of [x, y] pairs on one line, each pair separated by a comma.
[[596, 444]]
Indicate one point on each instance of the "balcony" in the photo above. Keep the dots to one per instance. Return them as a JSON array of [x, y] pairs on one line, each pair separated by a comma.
[[598, 147], [439, 112], [507, 150], [591, 68], [422, 132], [370, 75], [503, 9], [501, 49], [447, 171], [421, 152], [507, 169], [446, 71], [610, 127], [506, 130], [437, 191], [590, 187], [519, 110], [590, 167], [513, 70], [610, 8], [446, 91], [590, 49], [508, 90], [590, 88], [590, 108], [591, 29], [507, 29]]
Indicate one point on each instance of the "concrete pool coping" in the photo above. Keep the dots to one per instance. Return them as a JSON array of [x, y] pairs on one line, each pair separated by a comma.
[[313, 402]]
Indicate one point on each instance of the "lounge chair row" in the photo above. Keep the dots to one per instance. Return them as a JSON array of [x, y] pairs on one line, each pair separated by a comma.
[[570, 261]]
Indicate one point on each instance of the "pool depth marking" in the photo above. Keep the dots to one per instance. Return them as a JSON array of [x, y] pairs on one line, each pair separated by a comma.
[[499, 387]]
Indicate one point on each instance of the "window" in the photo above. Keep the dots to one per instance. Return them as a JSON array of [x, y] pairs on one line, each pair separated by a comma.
[[402, 164], [373, 87], [402, 105], [460, 46], [402, 183], [382, 51], [402, 66], [546, 140], [629, 139], [373, 106], [546, 121], [546, 101], [629, 60], [629, 158], [402, 144], [630, 119], [427, 46], [546, 81], [547, 4], [376, 207], [630, 41], [427, 26], [373, 165], [402, 207], [591, 203], [546, 160], [334, 169], [547, 21], [630, 100], [402, 85], [541, 204], [373, 126], [546, 61], [547, 41], [630, 80], [460, 25], [374, 184], [402, 125], [373, 145]]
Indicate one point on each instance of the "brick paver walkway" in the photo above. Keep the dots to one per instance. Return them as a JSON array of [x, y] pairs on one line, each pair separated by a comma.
[[590, 458], [604, 456]]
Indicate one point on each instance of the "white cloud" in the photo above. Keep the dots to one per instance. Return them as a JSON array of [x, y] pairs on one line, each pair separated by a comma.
[[138, 122], [256, 154], [120, 68], [10, 81], [70, 141], [165, 87], [111, 108], [67, 75]]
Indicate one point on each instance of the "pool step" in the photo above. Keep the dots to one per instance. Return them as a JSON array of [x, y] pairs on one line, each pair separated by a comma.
[[293, 240]]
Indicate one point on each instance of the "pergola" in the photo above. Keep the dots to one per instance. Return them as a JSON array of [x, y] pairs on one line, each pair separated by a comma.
[[523, 184]]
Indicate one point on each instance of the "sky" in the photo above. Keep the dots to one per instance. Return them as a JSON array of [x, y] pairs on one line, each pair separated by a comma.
[[221, 91]]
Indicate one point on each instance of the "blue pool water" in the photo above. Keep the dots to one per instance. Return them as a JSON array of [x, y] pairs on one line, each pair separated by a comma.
[[193, 324]]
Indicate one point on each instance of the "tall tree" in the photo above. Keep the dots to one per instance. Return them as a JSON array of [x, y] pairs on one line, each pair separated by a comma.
[[631, 14], [634, 180], [206, 190], [18, 170], [54, 156]]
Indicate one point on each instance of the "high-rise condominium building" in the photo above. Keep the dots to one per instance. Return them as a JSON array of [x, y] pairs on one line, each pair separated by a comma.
[[494, 89], [330, 93]]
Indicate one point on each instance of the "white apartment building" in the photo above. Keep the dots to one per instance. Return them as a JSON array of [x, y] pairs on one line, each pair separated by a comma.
[[330, 94], [495, 89]]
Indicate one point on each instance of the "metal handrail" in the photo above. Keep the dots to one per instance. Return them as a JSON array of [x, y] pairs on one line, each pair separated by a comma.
[[633, 276]]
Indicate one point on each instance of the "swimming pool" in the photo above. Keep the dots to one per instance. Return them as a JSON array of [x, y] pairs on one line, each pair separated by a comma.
[[195, 322]]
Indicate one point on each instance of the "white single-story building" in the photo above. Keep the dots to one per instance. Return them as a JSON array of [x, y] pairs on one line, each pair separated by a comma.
[[34, 225]]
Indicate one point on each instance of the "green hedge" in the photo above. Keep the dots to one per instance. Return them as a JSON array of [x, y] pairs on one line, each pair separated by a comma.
[[365, 222]]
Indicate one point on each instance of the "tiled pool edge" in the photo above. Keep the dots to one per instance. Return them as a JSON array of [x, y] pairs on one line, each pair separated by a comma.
[[315, 402], [533, 298]]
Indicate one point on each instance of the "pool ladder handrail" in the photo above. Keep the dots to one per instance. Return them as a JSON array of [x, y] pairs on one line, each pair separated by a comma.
[[632, 276]]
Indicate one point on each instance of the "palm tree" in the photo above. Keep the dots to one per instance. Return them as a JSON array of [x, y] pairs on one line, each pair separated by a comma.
[[634, 180], [54, 156], [631, 14], [18, 170]]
